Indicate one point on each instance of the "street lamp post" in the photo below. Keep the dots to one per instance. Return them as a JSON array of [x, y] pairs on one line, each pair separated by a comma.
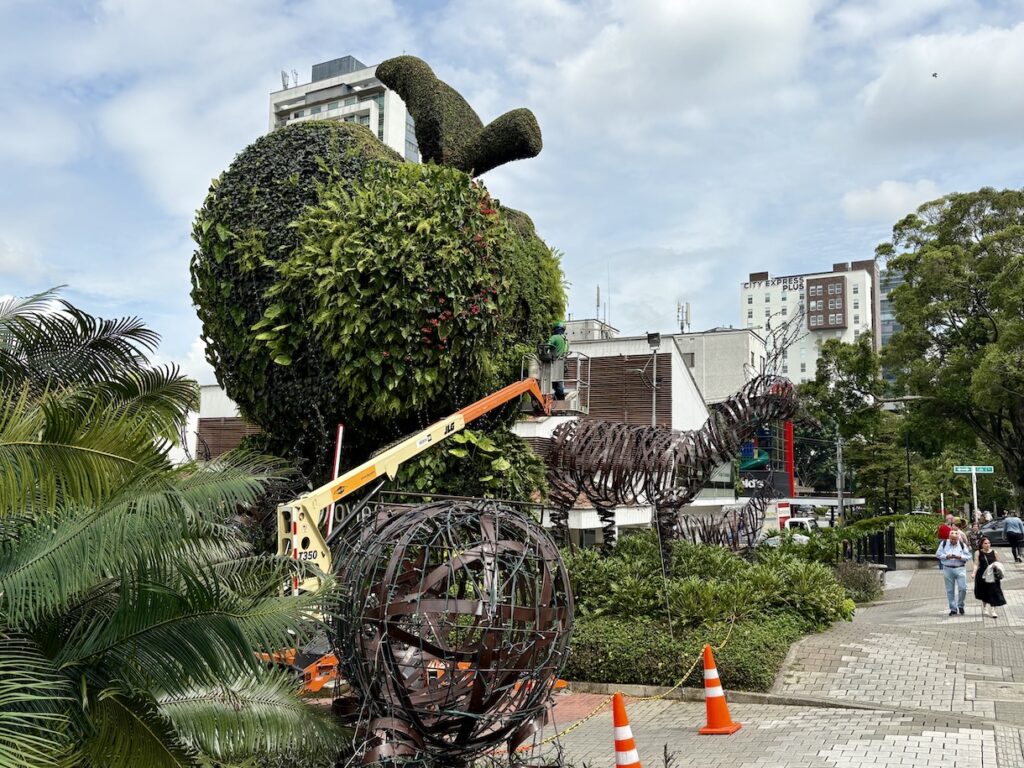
[[654, 342], [910, 488]]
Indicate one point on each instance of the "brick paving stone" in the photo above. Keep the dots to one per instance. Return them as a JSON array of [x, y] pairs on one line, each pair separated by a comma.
[[939, 677]]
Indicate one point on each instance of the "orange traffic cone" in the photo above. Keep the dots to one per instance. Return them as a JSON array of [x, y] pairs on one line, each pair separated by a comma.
[[625, 747], [719, 721]]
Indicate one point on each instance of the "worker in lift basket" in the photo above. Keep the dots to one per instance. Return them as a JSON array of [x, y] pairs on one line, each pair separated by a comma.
[[558, 348]]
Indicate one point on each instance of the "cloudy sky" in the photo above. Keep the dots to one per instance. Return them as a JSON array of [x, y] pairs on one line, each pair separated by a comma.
[[687, 142]]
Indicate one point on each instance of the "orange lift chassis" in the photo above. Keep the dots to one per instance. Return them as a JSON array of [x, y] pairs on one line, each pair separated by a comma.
[[298, 530]]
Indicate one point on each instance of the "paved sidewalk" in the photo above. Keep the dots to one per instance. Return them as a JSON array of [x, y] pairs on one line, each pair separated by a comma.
[[952, 690]]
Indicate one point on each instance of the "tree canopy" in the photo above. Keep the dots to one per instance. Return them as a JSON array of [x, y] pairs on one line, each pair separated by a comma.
[[961, 309]]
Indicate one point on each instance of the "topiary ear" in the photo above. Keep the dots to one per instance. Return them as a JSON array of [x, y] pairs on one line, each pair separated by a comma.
[[448, 131]]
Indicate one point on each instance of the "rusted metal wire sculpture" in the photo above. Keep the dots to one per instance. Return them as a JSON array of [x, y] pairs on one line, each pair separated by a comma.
[[614, 464], [453, 627]]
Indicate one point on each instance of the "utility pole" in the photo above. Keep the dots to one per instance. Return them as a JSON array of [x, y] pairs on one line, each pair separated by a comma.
[[839, 481]]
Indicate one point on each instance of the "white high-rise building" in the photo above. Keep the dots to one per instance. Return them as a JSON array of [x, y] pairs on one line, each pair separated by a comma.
[[841, 304], [346, 89]]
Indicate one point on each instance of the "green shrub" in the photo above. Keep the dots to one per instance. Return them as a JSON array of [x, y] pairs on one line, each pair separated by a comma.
[[860, 581], [612, 650]]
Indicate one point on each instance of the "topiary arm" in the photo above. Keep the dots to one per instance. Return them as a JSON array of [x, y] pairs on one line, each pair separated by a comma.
[[444, 121], [448, 131], [513, 136]]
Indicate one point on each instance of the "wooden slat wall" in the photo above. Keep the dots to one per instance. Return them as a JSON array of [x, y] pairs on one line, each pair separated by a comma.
[[221, 435], [619, 393]]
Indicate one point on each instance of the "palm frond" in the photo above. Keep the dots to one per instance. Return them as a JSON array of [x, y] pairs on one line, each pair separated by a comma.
[[46, 345], [159, 398], [35, 702], [50, 454], [252, 716], [48, 563], [129, 731], [173, 632]]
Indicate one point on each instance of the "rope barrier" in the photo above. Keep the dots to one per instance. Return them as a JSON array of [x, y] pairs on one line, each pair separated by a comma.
[[600, 707]]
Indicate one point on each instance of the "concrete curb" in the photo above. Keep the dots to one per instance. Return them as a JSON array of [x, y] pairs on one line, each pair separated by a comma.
[[808, 702], [739, 697]]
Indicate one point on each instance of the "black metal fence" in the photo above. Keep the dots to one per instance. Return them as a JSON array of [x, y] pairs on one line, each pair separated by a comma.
[[878, 547]]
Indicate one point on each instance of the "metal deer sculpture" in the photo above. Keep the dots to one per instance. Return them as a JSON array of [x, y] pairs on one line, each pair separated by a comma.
[[614, 464]]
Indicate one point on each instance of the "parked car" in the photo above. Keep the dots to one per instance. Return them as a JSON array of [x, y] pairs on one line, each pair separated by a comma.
[[775, 541], [994, 531], [802, 524]]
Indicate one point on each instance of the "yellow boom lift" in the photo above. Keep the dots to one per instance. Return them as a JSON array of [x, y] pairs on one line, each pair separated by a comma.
[[298, 529]]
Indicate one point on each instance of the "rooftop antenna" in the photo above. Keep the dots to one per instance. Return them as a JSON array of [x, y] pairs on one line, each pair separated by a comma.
[[284, 79], [598, 315], [295, 77], [608, 302]]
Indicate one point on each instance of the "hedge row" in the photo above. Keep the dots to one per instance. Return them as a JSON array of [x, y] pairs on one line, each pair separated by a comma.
[[609, 650]]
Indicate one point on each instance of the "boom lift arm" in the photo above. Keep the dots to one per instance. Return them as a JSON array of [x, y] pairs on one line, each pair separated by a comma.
[[298, 531]]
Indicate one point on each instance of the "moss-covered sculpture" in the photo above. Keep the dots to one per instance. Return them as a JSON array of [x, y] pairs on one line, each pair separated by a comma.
[[338, 283]]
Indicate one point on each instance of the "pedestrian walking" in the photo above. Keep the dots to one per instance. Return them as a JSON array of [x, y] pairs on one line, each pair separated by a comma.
[[953, 555], [988, 587], [1013, 528], [974, 537], [945, 528]]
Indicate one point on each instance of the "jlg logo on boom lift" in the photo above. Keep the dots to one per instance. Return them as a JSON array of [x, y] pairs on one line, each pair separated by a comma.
[[449, 428]]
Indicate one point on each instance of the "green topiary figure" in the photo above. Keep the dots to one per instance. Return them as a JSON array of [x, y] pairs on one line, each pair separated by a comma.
[[338, 283]]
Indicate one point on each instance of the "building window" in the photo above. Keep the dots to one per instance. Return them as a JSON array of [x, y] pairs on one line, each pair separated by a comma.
[[783, 295], [751, 359], [856, 289], [856, 319], [688, 359], [750, 313], [333, 105], [803, 367], [750, 299], [839, 303], [767, 297], [856, 303], [767, 311], [831, 288], [831, 303], [315, 110], [785, 368], [350, 101], [296, 115], [814, 320], [783, 310]]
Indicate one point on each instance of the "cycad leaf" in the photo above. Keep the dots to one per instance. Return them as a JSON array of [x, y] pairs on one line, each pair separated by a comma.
[[252, 716], [35, 701]]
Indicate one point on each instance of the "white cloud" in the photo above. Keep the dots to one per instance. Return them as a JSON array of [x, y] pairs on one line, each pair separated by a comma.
[[36, 134], [976, 96], [195, 366], [889, 201], [656, 65], [20, 259]]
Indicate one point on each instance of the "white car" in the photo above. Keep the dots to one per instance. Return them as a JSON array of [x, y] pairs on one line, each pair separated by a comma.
[[808, 524]]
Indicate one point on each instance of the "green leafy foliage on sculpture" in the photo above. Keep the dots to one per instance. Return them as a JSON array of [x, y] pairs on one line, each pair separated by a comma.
[[337, 283], [410, 282], [242, 231], [497, 464]]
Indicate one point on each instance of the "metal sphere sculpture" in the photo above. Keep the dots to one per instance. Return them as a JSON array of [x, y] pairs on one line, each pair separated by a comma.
[[454, 627]]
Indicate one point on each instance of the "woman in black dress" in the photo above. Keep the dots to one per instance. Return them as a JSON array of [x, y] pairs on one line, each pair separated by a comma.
[[989, 592]]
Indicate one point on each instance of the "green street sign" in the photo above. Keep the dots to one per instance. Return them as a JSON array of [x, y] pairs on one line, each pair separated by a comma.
[[984, 470], [962, 470], [966, 470]]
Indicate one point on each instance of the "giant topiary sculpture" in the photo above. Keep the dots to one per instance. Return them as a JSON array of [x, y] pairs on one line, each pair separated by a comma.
[[338, 283]]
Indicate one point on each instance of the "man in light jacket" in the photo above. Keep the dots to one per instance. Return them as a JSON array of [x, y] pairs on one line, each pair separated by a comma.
[[954, 555]]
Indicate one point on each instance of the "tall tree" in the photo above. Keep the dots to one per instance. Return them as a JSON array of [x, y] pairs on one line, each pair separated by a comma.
[[961, 309], [130, 614]]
